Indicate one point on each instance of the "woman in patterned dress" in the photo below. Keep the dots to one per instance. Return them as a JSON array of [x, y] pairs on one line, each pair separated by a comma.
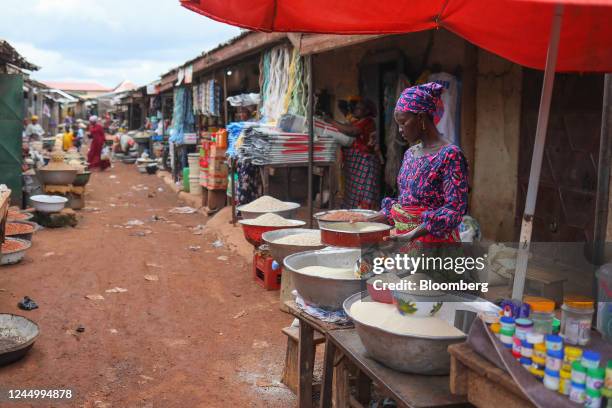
[[361, 161], [433, 179]]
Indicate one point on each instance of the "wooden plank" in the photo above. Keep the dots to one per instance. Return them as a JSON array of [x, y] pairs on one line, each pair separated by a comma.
[[305, 365], [318, 43], [328, 374], [408, 390], [319, 325], [458, 377], [485, 393], [468, 357], [249, 44], [468, 105], [294, 333]]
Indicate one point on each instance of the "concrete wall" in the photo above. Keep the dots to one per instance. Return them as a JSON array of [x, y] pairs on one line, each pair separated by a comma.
[[495, 172]]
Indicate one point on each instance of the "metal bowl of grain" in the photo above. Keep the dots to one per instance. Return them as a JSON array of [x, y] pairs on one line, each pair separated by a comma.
[[325, 278], [402, 351], [267, 204], [287, 242], [326, 218], [17, 336], [354, 234]]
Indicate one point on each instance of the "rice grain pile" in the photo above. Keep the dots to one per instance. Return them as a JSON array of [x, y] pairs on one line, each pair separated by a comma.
[[266, 204], [302, 239], [345, 215], [271, 220]]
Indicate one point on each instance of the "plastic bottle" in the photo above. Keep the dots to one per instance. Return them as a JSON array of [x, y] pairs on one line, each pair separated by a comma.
[[593, 398], [607, 388], [554, 360], [590, 359], [551, 379], [576, 317], [578, 373], [523, 327], [495, 328], [554, 342], [542, 313], [595, 378], [578, 393], [505, 336], [570, 355], [565, 382]]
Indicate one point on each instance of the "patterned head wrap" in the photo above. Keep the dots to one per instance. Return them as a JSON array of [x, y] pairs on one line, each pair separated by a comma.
[[422, 98]]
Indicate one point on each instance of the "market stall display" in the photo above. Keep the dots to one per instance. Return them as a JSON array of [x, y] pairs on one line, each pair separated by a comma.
[[325, 278]]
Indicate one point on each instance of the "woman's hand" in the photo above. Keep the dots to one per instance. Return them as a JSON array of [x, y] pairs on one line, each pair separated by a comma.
[[380, 217], [409, 236]]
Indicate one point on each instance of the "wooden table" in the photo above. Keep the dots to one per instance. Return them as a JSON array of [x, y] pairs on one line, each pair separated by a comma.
[[308, 326], [484, 384], [321, 169], [408, 390]]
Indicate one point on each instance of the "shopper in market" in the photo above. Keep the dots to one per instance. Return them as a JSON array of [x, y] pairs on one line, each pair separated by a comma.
[[433, 179], [34, 132], [361, 162], [96, 133]]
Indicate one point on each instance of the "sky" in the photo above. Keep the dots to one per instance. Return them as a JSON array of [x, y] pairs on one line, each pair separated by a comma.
[[107, 41]]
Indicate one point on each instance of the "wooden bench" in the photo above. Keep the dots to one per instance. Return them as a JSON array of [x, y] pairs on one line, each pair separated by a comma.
[[290, 375]]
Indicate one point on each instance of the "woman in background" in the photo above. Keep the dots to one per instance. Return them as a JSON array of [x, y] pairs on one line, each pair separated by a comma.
[[98, 139], [361, 159]]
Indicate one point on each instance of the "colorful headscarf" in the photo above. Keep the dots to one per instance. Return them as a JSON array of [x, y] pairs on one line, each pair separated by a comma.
[[422, 98]]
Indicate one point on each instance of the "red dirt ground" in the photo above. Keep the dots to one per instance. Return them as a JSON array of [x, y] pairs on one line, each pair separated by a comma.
[[203, 335]]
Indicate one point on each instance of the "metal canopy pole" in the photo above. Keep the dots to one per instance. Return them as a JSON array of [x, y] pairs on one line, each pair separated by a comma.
[[310, 81], [538, 153]]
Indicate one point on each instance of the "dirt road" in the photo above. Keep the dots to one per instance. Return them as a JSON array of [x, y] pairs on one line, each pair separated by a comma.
[[202, 335]]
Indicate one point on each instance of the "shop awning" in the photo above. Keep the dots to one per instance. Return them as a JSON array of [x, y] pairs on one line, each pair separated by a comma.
[[517, 30]]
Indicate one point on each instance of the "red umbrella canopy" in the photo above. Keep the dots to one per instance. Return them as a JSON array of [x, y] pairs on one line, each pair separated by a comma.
[[518, 30]]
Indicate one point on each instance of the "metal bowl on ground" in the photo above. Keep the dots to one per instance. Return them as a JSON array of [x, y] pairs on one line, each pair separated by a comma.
[[17, 336], [354, 234], [318, 291], [253, 233], [27, 235], [48, 203], [280, 251], [14, 256], [129, 160], [402, 352], [82, 179], [142, 168], [19, 216], [287, 213], [323, 223], [56, 177]]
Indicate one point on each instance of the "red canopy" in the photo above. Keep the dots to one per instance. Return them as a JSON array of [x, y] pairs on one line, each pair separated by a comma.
[[518, 30]]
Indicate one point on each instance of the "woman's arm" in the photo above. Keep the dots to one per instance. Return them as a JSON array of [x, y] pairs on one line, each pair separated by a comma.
[[441, 221], [348, 130]]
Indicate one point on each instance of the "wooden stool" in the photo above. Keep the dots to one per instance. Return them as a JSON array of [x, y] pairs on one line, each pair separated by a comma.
[[290, 375]]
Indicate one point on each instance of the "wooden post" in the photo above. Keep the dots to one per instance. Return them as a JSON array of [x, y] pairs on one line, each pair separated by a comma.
[[310, 74], [468, 105], [305, 365]]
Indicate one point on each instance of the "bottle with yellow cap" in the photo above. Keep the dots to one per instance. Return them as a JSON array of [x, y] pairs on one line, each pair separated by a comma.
[[576, 317], [542, 313]]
